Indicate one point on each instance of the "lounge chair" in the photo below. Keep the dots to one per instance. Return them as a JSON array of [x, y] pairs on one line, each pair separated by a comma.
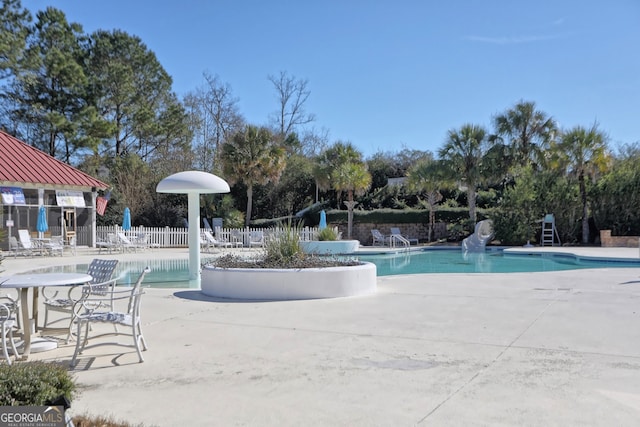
[[25, 241], [16, 248], [120, 308], [102, 272], [110, 244], [378, 238], [126, 243], [213, 242], [141, 241], [55, 246], [395, 231], [233, 242]]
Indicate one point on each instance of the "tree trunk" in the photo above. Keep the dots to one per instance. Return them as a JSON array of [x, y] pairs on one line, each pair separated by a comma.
[[471, 200], [432, 221], [350, 205], [247, 216], [585, 213]]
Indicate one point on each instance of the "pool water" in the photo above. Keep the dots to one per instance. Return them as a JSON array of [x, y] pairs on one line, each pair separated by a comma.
[[174, 273], [165, 273], [494, 261]]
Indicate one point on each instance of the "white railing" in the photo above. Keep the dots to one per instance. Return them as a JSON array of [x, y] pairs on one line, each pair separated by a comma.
[[396, 240]]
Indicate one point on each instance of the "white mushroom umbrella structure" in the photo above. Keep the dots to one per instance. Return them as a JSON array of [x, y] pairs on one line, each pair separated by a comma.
[[193, 183]]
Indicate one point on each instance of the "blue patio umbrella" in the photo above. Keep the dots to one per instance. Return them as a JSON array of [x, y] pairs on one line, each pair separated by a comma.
[[42, 225], [126, 220], [323, 220]]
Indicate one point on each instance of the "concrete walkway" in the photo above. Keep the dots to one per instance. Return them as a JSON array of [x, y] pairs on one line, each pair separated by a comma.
[[535, 349]]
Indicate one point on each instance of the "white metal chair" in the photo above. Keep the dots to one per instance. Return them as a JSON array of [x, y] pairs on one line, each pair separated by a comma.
[[16, 248], [8, 323], [95, 308], [55, 246], [102, 272], [212, 241], [378, 237], [110, 244], [256, 238], [25, 240], [126, 243]]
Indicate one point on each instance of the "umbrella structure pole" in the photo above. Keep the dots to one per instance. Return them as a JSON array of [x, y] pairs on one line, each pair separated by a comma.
[[194, 236]]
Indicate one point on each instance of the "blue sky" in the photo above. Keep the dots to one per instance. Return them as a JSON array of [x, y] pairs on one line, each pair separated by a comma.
[[387, 75]]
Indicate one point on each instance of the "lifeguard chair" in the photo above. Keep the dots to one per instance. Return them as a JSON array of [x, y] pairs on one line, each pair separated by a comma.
[[550, 235]]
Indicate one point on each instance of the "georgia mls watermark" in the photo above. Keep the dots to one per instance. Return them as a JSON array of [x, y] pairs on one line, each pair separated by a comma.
[[32, 416]]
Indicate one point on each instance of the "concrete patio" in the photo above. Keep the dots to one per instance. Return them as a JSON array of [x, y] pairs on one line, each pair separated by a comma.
[[543, 349]]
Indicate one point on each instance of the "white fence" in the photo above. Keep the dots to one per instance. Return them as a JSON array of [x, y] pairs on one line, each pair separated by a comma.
[[177, 237]]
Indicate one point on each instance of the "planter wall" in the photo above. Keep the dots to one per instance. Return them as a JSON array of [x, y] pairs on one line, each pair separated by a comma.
[[289, 284], [330, 247]]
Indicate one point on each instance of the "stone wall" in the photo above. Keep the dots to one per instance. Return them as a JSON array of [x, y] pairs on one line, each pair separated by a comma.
[[609, 241], [362, 231]]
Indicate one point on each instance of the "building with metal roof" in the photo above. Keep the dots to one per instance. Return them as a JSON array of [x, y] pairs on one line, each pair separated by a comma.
[[30, 178]]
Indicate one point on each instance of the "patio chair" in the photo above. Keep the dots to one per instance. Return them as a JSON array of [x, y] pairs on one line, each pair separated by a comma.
[[95, 308], [25, 241], [378, 238], [256, 238], [55, 246], [233, 242], [213, 242], [126, 243], [8, 323], [110, 244], [16, 248], [141, 241], [237, 238], [102, 272], [395, 231]]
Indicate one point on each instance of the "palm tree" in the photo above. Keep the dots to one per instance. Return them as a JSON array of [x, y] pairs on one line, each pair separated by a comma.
[[527, 131], [583, 153], [329, 159], [342, 168], [352, 178], [253, 158], [463, 153], [428, 176]]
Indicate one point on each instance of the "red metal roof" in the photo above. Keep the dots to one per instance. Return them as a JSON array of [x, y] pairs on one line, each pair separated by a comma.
[[22, 164]]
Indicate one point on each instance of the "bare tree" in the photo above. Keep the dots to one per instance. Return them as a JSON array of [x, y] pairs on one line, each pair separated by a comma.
[[214, 117], [314, 141], [292, 95]]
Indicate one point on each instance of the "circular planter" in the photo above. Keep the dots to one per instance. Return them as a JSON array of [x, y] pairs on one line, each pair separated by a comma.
[[289, 284], [330, 247]]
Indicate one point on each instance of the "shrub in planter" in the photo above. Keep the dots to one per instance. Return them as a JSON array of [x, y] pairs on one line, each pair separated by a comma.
[[327, 234], [34, 383]]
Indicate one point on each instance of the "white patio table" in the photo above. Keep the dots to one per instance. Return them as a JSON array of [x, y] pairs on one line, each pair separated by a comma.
[[26, 281]]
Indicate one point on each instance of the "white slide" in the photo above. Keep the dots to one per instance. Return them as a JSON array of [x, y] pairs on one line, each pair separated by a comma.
[[480, 237]]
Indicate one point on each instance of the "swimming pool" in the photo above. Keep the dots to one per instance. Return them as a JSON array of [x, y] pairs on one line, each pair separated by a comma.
[[165, 273], [174, 273], [492, 261]]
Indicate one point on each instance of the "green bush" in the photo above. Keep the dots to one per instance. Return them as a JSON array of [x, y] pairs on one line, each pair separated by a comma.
[[328, 233], [34, 383], [402, 216], [285, 245]]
